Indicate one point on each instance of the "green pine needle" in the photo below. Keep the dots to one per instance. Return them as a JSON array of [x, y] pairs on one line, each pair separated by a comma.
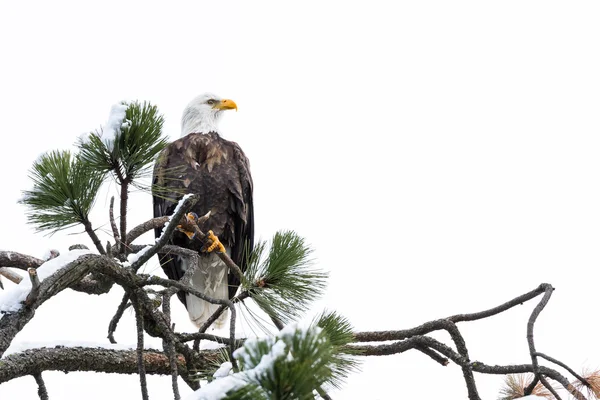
[[137, 142], [291, 366], [339, 331], [284, 283], [64, 190]]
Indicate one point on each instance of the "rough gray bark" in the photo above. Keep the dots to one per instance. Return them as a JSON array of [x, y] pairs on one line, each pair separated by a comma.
[[69, 359]]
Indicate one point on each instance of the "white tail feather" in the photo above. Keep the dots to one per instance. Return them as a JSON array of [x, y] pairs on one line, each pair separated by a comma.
[[211, 279]]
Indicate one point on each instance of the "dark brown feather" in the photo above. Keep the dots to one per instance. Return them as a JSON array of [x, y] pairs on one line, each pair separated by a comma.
[[219, 172]]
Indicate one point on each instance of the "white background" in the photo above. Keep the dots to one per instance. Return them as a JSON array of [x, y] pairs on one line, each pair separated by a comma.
[[441, 157]]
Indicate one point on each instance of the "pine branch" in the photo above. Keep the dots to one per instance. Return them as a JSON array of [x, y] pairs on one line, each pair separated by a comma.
[[112, 326], [12, 259], [185, 204], [70, 359], [124, 182], [92, 234], [168, 345], [64, 191], [11, 276], [113, 225], [42, 391], [139, 324]]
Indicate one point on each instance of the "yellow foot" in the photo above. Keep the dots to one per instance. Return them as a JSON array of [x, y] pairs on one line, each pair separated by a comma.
[[216, 244]]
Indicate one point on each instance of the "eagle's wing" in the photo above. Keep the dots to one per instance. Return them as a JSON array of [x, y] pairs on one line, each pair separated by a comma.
[[243, 215], [167, 190]]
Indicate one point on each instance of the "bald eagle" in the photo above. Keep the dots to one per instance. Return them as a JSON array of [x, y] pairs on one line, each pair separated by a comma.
[[202, 162]]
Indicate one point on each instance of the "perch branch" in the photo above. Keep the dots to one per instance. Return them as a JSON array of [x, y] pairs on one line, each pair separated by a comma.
[[184, 206]]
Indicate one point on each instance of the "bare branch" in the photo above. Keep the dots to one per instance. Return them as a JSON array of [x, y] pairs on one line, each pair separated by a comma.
[[565, 366], [168, 344], [11, 324], [139, 324], [112, 326], [139, 230], [35, 287], [70, 359], [11, 276], [92, 234], [113, 225], [184, 207], [12, 259], [42, 392]]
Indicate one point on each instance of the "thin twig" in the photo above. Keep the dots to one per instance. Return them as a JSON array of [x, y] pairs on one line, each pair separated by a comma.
[[113, 224], [139, 323], [530, 324], [42, 391], [565, 366], [241, 297], [112, 326], [168, 345], [435, 356]]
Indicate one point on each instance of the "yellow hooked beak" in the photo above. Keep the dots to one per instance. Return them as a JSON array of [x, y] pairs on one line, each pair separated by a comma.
[[226, 104]]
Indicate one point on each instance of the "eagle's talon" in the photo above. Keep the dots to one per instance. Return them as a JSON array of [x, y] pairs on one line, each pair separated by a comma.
[[189, 234], [216, 243], [191, 217]]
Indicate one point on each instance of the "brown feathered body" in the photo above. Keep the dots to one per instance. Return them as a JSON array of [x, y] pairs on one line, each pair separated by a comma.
[[219, 173]]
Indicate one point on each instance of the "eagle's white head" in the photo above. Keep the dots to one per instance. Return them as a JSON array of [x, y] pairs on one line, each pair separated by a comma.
[[203, 113]]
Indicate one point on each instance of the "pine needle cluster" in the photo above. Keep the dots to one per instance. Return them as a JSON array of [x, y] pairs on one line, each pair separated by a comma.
[[65, 185], [136, 143], [291, 365], [515, 385], [63, 193], [593, 379], [283, 282]]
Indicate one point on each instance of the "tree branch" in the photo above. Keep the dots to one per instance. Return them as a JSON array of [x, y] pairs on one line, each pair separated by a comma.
[[35, 287], [42, 392], [112, 326], [69, 359], [139, 324], [12, 259], [11, 276], [113, 225], [92, 234], [139, 230], [12, 324], [184, 206], [168, 345]]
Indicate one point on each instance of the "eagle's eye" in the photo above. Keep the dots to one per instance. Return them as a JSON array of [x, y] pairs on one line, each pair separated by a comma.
[[210, 102]]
